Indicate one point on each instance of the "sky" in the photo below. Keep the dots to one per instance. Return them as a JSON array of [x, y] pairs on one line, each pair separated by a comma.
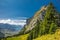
[[23, 8]]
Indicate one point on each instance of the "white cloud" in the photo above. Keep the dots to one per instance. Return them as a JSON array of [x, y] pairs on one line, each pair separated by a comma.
[[13, 22]]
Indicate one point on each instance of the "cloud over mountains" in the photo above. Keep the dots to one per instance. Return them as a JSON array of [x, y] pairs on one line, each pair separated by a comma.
[[13, 22]]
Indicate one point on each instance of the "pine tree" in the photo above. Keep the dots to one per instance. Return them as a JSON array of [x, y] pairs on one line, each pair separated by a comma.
[[52, 28]]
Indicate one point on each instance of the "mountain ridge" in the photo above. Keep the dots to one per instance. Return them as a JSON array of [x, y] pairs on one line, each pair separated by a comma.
[[35, 17]]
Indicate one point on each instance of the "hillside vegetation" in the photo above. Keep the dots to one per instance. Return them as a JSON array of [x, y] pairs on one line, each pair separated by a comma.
[[48, 25], [55, 36]]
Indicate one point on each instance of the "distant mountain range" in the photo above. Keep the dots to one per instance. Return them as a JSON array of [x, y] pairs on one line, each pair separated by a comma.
[[11, 27]]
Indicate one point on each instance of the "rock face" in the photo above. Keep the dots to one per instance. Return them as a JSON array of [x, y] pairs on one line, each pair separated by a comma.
[[39, 15], [32, 21]]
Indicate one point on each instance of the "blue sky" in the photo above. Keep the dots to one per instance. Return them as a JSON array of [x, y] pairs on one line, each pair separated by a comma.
[[23, 8]]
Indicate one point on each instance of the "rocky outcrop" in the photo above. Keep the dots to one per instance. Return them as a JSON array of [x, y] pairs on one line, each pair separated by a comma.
[[38, 15]]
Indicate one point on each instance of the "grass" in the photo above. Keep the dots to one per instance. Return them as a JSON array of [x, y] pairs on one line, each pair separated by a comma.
[[55, 36], [22, 37]]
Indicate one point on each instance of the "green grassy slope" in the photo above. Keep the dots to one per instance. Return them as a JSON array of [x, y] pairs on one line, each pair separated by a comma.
[[22, 37], [55, 36]]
